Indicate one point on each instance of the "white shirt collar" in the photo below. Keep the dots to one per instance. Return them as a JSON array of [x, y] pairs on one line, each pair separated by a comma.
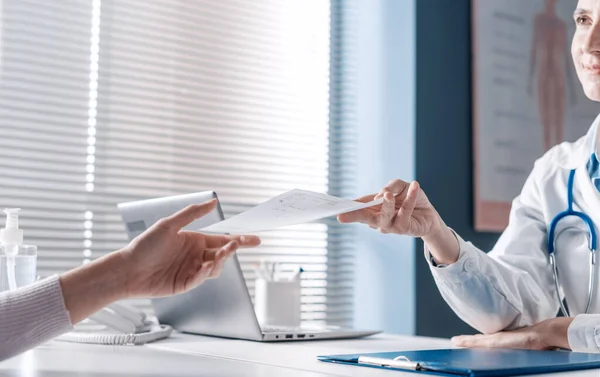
[[582, 150], [594, 140]]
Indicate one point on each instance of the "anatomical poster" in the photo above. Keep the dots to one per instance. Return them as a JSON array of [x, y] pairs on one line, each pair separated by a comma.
[[526, 96]]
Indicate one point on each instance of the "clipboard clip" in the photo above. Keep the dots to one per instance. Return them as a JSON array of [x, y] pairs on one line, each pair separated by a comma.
[[400, 362]]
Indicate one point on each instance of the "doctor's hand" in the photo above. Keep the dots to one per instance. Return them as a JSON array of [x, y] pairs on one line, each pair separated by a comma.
[[164, 260], [548, 334], [406, 210]]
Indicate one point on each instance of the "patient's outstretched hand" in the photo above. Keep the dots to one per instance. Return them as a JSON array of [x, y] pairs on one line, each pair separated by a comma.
[[166, 260]]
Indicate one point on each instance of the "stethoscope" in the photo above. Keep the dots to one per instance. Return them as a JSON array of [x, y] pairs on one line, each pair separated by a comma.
[[592, 245]]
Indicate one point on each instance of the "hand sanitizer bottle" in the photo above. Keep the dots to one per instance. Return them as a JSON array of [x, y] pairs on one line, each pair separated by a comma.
[[17, 261]]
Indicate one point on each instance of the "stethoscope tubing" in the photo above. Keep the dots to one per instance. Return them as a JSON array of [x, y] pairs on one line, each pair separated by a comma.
[[592, 246]]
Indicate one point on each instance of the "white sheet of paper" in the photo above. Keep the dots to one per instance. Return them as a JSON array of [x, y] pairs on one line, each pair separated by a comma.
[[290, 208]]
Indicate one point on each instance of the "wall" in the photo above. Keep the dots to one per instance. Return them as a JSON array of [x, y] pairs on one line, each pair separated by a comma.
[[385, 277], [414, 111], [444, 144]]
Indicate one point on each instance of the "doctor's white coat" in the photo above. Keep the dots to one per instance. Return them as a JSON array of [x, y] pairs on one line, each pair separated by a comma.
[[512, 286]]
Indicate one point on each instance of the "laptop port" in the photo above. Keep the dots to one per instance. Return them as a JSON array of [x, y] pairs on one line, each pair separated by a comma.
[[289, 336], [300, 336], [311, 336]]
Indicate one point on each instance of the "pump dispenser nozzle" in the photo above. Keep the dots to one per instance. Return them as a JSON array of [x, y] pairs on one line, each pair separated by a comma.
[[10, 238], [11, 235]]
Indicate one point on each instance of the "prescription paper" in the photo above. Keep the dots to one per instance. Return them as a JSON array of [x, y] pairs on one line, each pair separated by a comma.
[[290, 208]]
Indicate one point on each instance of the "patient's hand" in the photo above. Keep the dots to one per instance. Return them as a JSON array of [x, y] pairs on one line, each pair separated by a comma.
[[166, 260], [548, 334]]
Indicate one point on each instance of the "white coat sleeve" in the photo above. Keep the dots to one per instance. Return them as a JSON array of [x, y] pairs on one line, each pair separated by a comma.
[[584, 333], [510, 287]]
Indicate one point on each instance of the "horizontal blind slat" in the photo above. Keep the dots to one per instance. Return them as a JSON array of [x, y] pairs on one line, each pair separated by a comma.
[[231, 96]]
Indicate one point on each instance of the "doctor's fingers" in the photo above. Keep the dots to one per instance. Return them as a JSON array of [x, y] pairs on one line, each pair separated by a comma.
[[360, 215], [395, 186], [470, 341], [366, 198], [405, 213], [388, 213], [504, 339], [522, 338], [365, 216], [368, 216]]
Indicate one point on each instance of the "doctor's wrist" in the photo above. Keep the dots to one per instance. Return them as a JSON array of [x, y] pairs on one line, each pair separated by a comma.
[[443, 244], [556, 332]]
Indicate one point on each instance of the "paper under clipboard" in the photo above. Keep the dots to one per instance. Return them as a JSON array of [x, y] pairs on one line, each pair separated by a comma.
[[290, 208], [478, 362]]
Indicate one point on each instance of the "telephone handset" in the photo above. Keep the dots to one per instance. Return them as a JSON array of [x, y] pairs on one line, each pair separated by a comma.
[[118, 324]]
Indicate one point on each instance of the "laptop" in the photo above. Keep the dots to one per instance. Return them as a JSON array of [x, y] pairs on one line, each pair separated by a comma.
[[220, 307]]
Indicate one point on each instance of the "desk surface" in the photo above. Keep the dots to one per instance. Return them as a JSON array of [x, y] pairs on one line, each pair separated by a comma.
[[303, 355], [187, 355], [61, 359]]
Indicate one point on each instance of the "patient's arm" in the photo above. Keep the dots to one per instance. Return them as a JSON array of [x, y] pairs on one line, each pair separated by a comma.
[[162, 261]]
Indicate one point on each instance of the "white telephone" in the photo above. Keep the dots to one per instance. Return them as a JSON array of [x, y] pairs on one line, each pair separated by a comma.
[[118, 324]]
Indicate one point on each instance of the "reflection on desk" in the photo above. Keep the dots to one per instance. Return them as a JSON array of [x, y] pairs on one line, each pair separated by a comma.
[[303, 355], [189, 355], [60, 359], [299, 355]]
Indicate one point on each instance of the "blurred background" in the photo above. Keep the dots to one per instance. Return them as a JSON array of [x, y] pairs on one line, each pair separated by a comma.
[[105, 101]]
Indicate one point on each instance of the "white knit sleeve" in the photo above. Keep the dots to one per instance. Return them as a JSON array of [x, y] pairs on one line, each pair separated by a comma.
[[32, 315]]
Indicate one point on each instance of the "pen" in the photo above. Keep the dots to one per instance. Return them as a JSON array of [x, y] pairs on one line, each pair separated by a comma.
[[276, 271], [398, 362], [296, 275]]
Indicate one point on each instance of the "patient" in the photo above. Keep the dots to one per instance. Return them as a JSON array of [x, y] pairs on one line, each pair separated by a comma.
[[162, 261]]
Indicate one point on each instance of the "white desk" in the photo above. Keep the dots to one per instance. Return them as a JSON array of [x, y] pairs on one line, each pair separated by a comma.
[[303, 355], [60, 359], [300, 355], [186, 355]]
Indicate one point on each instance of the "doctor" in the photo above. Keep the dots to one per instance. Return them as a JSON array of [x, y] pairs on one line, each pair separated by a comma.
[[510, 294]]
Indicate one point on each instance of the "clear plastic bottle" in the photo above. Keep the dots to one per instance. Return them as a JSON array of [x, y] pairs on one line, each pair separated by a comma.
[[17, 261], [24, 267]]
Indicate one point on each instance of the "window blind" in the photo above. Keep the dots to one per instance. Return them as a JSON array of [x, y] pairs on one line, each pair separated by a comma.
[[108, 101], [44, 74], [342, 157]]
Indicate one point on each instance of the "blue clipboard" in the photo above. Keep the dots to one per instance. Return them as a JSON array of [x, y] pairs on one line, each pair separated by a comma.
[[475, 362]]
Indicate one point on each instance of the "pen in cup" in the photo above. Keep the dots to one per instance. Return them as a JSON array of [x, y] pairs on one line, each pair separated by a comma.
[[297, 274], [267, 270], [274, 271]]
